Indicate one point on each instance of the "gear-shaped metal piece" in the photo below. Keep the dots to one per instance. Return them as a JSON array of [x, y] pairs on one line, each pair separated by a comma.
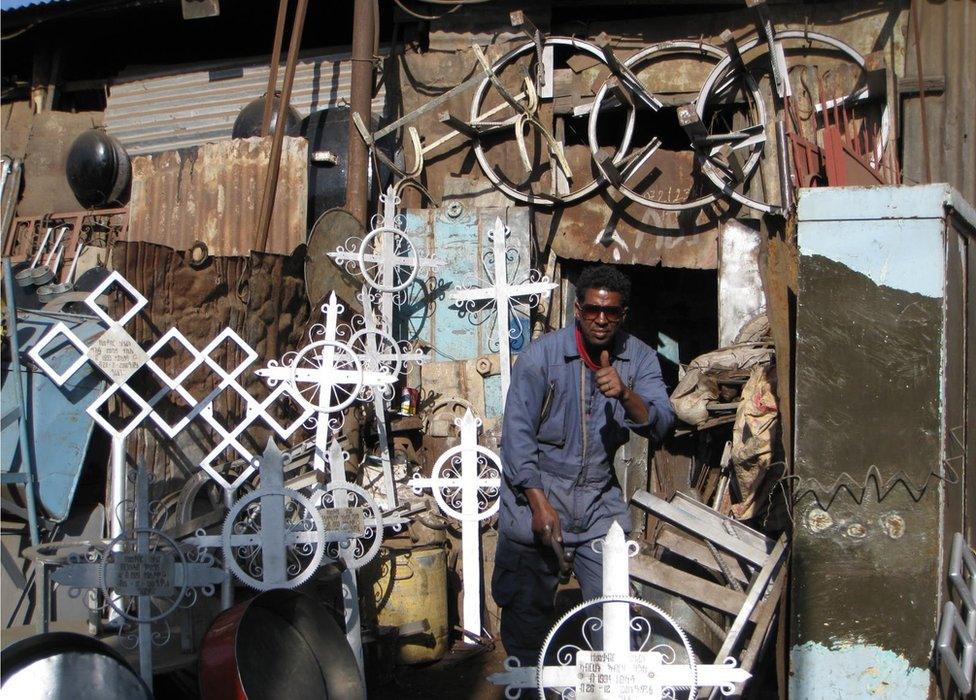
[[281, 534], [127, 543], [566, 654]]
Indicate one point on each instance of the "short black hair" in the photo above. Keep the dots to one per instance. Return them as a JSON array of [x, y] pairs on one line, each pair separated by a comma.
[[603, 277]]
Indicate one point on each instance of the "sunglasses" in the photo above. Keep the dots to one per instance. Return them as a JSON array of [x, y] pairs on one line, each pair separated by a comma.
[[592, 312]]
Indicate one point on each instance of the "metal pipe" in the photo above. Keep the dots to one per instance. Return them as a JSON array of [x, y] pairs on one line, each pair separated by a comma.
[[926, 158], [26, 449], [274, 160], [360, 99], [273, 67]]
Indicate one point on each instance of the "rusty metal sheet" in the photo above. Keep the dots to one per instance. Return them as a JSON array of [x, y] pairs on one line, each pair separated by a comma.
[[212, 193]]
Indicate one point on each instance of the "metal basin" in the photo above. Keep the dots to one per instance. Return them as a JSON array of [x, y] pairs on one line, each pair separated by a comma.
[[58, 665], [279, 644]]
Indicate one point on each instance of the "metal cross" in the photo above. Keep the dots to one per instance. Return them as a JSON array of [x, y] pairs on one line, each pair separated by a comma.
[[504, 297], [386, 257], [149, 566], [604, 665], [326, 376], [381, 351], [468, 476]]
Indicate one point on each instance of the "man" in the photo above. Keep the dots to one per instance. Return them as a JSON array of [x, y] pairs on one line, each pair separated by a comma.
[[575, 395]]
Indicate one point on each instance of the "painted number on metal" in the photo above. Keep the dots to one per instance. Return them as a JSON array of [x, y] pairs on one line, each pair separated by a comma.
[[616, 675], [117, 354], [150, 573]]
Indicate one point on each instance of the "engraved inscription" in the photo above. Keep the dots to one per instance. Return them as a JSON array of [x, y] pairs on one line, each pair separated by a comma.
[[142, 574], [117, 354], [609, 675], [346, 520]]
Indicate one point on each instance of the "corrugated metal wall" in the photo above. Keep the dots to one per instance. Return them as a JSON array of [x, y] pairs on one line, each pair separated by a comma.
[[948, 30], [200, 103]]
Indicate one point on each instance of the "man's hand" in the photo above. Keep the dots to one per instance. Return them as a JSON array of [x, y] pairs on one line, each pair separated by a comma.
[[545, 519], [608, 381]]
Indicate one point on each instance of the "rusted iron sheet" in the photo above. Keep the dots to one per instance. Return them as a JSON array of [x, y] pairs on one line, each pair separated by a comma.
[[201, 303], [212, 193]]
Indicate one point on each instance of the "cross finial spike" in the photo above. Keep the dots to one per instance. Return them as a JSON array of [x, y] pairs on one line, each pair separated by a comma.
[[272, 466], [469, 421], [616, 533]]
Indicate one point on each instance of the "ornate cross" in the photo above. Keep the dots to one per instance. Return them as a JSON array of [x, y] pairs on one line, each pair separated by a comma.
[[327, 376], [149, 570], [507, 295], [386, 257], [617, 647], [465, 481]]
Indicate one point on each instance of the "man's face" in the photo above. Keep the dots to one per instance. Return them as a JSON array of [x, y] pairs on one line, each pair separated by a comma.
[[600, 315]]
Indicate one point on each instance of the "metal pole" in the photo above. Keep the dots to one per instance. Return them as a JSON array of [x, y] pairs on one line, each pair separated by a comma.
[[274, 160], [273, 67], [360, 99], [26, 449]]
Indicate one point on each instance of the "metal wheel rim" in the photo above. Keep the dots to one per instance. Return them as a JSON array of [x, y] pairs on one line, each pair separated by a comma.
[[719, 71], [498, 182], [677, 47]]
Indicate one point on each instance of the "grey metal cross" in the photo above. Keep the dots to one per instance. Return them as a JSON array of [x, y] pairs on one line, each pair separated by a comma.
[[147, 566], [604, 665], [503, 297], [386, 257]]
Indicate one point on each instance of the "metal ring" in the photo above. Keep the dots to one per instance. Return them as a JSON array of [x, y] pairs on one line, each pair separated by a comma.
[[228, 547], [335, 345], [414, 260], [630, 601], [479, 153], [664, 49], [376, 518], [435, 476], [104, 562], [719, 72]]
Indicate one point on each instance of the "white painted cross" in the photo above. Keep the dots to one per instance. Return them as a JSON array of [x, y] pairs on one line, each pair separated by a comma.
[[326, 376], [504, 298], [598, 660], [386, 257], [465, 481]]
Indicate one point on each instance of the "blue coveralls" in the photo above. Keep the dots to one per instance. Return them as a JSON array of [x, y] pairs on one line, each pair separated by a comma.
[[560, 434]]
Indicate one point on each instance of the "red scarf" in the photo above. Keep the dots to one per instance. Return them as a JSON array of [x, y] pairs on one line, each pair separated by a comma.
[[593, 366]]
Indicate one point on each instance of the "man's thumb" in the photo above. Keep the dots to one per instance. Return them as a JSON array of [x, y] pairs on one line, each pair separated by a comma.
[[605, 358]]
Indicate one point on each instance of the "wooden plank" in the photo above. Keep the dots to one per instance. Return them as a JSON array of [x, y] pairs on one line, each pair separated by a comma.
[[704, 528], [682, 545], [649, 570]]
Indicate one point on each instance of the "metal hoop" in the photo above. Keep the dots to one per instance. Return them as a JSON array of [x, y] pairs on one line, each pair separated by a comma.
[[228, 547], [104, 562], [665, 49], [376, 517], [720, 71], [435, 473], [630, 600], [311, 348], [361, 259], [479, 95]]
